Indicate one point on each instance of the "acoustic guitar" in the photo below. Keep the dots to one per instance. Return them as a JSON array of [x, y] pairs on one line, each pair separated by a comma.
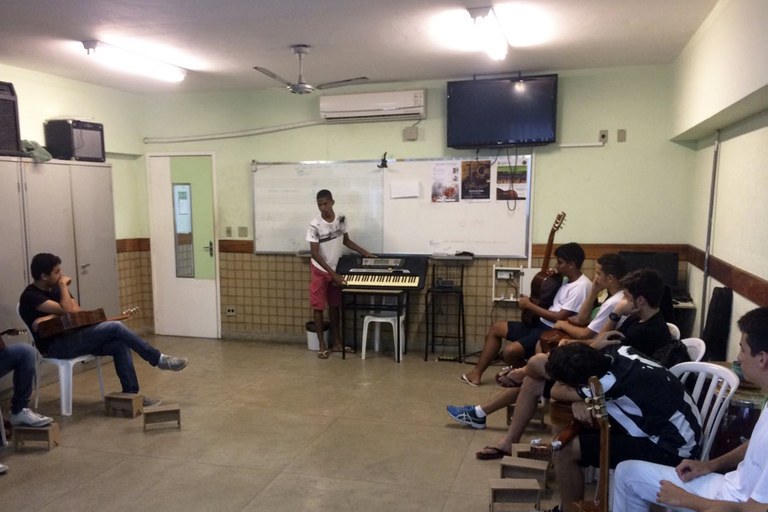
[[596, 404], [62, 323], [10, 332], [547, 281]]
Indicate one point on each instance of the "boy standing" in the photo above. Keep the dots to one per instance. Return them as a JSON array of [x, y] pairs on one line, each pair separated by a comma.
[[327, 235]]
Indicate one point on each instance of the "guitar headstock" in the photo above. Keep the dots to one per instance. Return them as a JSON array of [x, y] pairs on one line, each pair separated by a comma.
[[559, 221], [13, 332], [128, 313], [596, 403]]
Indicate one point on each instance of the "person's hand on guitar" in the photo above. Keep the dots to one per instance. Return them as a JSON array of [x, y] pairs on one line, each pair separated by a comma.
[[582, 413]]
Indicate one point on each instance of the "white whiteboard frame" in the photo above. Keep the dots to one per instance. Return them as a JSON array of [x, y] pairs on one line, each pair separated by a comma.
[[301, 180]]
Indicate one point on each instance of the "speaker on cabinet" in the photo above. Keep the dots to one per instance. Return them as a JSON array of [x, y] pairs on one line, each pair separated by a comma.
[[10, 141], [67, 139]]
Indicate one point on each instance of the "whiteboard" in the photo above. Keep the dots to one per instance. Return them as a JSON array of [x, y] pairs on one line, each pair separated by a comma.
[[406, 208]]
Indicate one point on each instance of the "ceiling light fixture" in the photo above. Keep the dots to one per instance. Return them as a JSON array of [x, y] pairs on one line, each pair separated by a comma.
[[488, 32], [129, 62]]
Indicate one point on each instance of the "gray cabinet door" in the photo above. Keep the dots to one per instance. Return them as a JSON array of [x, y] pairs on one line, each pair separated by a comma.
[[68, 210], [13, 260], [48, 213], [95, 249]]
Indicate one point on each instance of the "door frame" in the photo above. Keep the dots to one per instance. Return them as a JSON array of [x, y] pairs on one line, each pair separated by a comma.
[[217, 278]]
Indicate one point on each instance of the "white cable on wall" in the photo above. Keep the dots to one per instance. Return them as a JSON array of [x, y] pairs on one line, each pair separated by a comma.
[[231, 135]]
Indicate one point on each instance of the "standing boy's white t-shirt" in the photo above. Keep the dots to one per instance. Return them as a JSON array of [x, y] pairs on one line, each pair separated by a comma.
[[330, 236]]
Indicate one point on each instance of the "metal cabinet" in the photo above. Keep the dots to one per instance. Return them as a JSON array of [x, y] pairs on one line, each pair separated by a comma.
[[64, 208]]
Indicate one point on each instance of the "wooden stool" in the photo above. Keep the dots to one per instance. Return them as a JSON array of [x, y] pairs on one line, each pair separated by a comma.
[[518, 467], [162, 414], [515, 490], [129, 403], [48, 434]]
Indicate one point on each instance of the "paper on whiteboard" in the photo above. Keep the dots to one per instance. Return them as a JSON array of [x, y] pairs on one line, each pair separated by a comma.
[[404, 188]]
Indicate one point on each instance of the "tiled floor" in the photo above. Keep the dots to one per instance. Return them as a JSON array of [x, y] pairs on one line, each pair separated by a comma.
[[265, 427]]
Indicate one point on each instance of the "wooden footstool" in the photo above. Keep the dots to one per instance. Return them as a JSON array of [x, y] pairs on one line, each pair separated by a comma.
[[124, 403], [48, 435], [162, 414]]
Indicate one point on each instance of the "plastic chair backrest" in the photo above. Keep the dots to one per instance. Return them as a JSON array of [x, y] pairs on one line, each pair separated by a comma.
[[711, 389], [696, 348], [674, 331]]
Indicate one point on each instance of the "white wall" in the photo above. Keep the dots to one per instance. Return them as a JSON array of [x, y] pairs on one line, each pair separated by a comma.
[[723, 67]]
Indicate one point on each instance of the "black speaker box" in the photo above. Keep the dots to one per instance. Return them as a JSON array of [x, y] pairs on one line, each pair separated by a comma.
[[10, 141], [68, 139]]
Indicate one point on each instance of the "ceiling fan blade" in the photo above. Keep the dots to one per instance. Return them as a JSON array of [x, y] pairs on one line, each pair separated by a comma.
[[342, 83], [273, 76]]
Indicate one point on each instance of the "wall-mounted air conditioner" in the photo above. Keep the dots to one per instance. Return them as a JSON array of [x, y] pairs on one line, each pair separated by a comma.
[[374, 106]]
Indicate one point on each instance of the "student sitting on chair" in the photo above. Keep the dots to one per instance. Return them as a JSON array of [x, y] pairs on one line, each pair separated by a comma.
[[700, 485], [19, 358], [640, 329], [523, 339], [49, 296], [609, 269], [651, 415]]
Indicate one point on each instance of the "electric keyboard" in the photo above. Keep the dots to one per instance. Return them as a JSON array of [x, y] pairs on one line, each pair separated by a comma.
[[385, 272]]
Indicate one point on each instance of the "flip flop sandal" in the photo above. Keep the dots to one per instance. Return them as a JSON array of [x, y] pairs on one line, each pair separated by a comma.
[[493, 453], [503, 381], [348, 350], [323, 354]]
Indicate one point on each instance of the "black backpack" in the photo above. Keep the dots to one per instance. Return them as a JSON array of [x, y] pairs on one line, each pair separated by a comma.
[[672, 353]]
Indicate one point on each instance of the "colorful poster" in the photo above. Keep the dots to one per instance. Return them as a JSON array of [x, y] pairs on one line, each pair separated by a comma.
[[511, 182], [476, 180], [445, 183]]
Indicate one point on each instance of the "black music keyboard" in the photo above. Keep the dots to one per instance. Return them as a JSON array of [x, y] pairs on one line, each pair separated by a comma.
[[387, 272]]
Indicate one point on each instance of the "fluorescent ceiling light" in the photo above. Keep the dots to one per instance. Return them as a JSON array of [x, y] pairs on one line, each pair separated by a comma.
[[523, 24], [123, 60], [488, 32]]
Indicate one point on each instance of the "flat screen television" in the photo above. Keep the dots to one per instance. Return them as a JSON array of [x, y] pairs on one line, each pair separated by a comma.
[[502, 112], [664, 262]]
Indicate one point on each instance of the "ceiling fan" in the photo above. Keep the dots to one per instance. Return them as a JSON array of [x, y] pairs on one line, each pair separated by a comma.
[[302, 87]]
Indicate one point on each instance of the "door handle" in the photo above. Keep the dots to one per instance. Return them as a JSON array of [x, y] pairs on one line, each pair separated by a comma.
[[209, 248], [84, 266]]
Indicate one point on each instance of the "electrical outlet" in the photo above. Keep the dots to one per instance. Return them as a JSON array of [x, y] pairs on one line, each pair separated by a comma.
[[603, 136], [621, 135], [228, 230], [230, 311]]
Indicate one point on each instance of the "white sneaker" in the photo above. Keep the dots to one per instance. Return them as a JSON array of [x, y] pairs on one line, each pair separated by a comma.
[[27, 417], [3, 468]]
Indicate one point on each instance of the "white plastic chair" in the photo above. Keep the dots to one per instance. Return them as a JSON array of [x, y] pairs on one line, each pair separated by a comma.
[[674, 331], [712, 391], [66, 370], [387, 317], [696, 348]]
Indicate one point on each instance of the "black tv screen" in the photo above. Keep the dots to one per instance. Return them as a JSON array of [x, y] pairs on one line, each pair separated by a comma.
[[504, 112], [664, 262]]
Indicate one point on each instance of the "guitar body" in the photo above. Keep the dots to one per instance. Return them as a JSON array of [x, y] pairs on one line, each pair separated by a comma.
[[544, 286], [69, 321], [547, 281]]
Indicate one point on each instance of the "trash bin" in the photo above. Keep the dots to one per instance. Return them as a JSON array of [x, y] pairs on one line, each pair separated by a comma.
[[313, 343]]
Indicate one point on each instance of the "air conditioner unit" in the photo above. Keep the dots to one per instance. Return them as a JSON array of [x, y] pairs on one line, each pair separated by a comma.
[[374, 106]]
